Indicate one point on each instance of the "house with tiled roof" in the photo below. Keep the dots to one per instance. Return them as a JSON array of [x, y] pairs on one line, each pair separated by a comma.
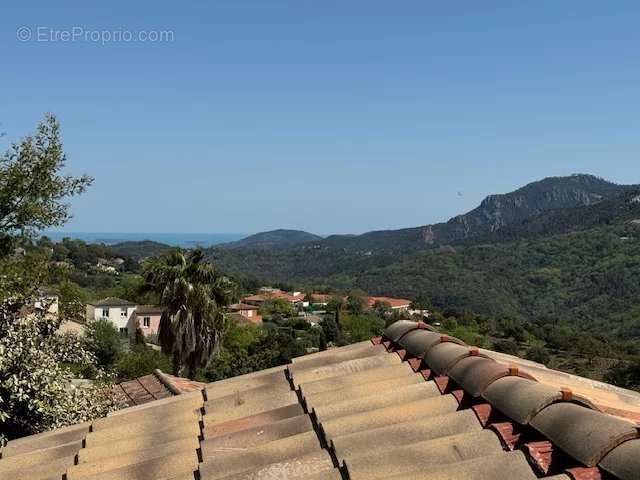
[[413, 404], [117, 310], [249, 313], [395, 303], [294, 298]]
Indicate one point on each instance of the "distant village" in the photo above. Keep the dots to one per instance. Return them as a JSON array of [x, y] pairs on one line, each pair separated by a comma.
[[129, 317]]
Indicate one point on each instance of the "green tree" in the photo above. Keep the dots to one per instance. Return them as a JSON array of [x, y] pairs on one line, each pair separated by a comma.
[[382, 309], [73, 299], [330, 329], [32, 188], [356, 302], [104, 340], [194, 296], [276, 309], [140, 361]]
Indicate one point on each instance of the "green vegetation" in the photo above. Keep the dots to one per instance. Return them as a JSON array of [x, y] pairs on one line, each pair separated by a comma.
[[194, 296], [36, 364]]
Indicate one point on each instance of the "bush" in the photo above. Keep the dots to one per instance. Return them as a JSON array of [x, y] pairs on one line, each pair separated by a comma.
[[140, 361], [35, 383], [104, 340]]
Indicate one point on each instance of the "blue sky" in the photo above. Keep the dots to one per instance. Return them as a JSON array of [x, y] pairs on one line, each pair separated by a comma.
[[331, 116]]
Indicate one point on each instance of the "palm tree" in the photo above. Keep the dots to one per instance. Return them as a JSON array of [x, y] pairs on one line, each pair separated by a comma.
[[194, 296]]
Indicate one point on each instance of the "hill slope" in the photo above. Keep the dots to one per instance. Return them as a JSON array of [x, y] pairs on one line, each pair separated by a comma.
[[273, 240], [494, 213]]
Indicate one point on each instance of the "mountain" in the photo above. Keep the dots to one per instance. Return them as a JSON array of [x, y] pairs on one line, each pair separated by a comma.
[[273, 240], [495, 213], [139, 250], [575, 266]]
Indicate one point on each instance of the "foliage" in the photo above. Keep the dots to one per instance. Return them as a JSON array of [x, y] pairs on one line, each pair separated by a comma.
[[276, 309], [330, 329], [194, 294], [104, 340], [73, 299], [357, 328], [140, 361], [35, 386], [356, 302], [32, 189]]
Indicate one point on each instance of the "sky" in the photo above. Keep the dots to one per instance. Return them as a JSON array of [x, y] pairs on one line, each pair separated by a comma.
[[332, 116]]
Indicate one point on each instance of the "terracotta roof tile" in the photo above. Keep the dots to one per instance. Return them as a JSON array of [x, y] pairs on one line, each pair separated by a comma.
[[584, 434], [358, 411]]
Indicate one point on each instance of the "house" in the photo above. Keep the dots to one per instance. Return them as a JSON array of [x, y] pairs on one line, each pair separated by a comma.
[[250, 313], [412, 404], [119, 311], [397, 304], [266, 293], [320, 299], [147, 318]]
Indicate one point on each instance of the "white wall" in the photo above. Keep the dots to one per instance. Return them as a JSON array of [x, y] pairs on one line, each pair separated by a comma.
[[114, 314]]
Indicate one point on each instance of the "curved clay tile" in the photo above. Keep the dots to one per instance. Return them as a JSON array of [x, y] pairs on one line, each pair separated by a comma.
[[397, 329], [417, 342], [521, 399], [586, 435], [443, 356], [474, 374], [623, 462]]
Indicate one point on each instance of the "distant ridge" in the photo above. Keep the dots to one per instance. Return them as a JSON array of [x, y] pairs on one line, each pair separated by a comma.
[[495, 213], [273, 240]]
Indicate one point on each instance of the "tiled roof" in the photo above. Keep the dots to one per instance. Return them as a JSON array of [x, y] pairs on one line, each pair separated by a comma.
[[242, 306], [155, 387], [373, 410], [141, 309], [394, 302], [112, 302]]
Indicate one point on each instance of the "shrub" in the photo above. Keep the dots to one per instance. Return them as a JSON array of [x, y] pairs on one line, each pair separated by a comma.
[[104, 340], [35, 385], [140, 361]]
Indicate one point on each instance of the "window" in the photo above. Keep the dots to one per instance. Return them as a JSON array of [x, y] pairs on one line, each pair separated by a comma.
[[123, 330], [146, 322], [123, 312], [105, 312]]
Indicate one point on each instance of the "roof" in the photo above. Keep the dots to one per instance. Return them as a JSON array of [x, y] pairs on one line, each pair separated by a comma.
[[241, 319], [141, 309], [155, 386], [112, 302], [273, 294], [394, 302], [242, 306], [413, 404]]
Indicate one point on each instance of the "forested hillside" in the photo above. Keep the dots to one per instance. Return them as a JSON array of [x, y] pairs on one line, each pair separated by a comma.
[[575, 266]]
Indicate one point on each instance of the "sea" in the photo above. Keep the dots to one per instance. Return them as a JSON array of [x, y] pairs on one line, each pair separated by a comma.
[[185, 240]]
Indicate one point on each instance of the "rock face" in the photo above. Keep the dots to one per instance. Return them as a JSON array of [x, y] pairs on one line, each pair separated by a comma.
[[498, 211]]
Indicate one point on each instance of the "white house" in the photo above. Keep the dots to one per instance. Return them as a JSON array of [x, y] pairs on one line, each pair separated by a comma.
[[119, 311]]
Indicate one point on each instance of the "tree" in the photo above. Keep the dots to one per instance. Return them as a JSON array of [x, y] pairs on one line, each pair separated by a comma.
[[32, 187], [356, 302], [382, 309], [73, 299], [194, 296], [104, 340], [277, 309], [330, 329]]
